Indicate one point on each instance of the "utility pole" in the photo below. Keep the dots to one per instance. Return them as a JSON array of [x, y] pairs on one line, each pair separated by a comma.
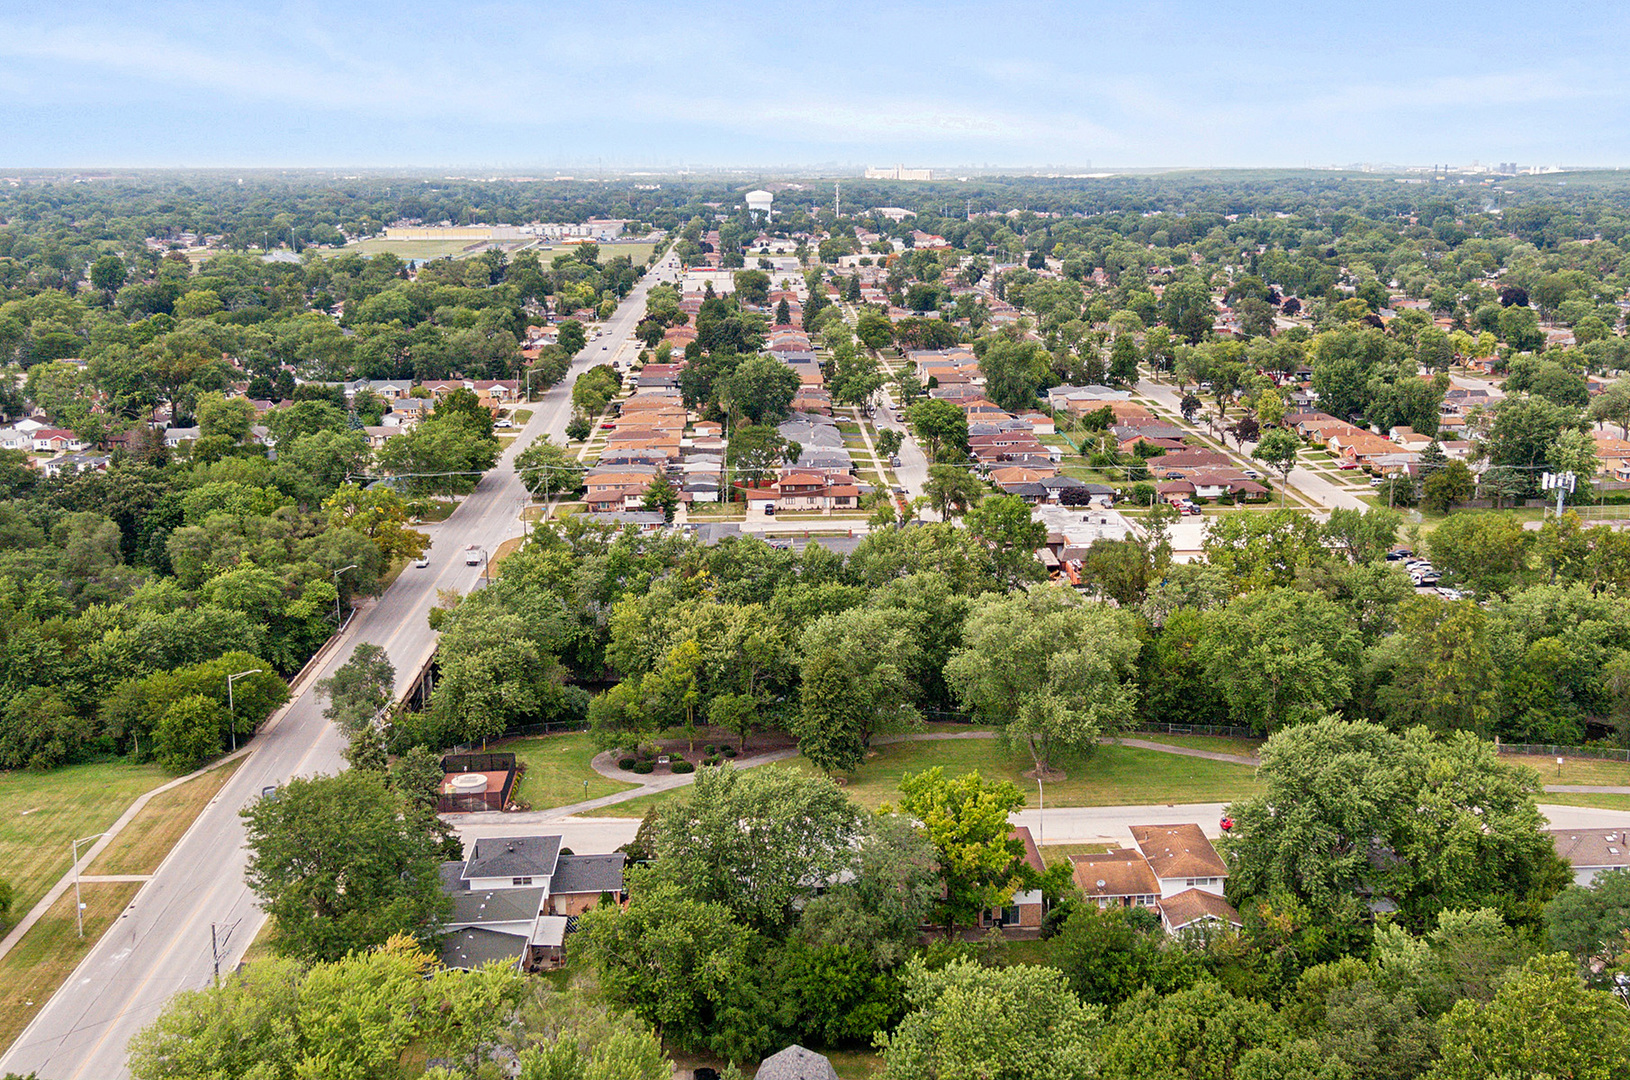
[[336, 577], [216, 943], [837, 201]]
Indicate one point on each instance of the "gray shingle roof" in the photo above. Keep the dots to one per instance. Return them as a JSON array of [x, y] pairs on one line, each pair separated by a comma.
[[588, 874], [469, 949], [476, 907], [513, 856]]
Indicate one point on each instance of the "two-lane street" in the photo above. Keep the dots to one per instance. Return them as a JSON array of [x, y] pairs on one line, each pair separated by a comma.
[[161, 944]]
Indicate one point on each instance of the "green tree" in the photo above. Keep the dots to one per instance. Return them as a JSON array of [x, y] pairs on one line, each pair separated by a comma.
[[952, 490], [360, 689], [1591, 924], [966, 819], [1446, 486], [761, 842], [1278, 448], [877, 909], [339, 867], [1543, 1022], [417, 775], [1005, 524], [1376, 816], [571, 337], [188, 733], [682, 965], [661, 495], [1109, 954], [1487, 552], [756, 452], [856, 680], [1014, 1023], [1201, 1032], [761, 389], [547, 469], [1279, 657], [942, 427], [1443, 675], [1054, 674]]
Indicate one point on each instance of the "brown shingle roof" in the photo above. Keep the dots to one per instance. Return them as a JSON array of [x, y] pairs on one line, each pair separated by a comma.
[[1178, 851], [1193, 905], [1584, 848], [1116, 873]]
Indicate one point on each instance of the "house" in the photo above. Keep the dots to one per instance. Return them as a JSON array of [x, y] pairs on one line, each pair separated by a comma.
[[796, 1063], [1181, 858], [1196, 909], [513, 897], [57, 441], [175, 436], [1591, 852], [75, 463], [1173, 870], [1120, 878], [1026, 908]]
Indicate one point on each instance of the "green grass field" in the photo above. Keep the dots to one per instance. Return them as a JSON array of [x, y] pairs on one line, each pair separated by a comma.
[[556, 767], [42, 813], [143, 844], [1245, 747], [1601, 802], [1115, 776]]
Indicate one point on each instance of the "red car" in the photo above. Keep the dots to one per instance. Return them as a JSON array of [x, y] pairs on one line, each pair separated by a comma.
[[1225, 824]]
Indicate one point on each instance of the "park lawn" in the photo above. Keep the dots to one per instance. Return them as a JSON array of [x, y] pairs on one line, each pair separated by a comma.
[[31, 972], [1115, 776], [142, 844], [1594, 771], [556, 766], [42, 813], [1600, 802]]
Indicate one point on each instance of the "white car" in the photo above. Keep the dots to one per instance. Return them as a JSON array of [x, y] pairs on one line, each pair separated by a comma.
[[422, 561], [504, 424]]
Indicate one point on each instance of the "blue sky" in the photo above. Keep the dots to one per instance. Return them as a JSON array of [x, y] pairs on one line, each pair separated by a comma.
[[633, 84]]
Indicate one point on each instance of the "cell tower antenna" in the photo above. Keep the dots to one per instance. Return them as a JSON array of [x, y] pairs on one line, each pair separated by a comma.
[[837, 200]]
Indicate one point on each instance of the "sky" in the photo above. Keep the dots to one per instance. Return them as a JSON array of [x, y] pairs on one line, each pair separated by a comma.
[[632, 84]]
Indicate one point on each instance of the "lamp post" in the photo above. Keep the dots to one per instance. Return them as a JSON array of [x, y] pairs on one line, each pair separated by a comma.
[[530, 371], [79, 907], [1041, 812], [336, 577], [231, 707]]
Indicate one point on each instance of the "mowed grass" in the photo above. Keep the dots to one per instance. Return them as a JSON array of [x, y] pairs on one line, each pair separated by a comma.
[[1115, 776], [50, 951], [1593, 771], [142, 844], [42, 813], [1600, 802], [556, 767]]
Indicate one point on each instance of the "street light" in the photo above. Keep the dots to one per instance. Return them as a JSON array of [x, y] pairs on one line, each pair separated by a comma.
[[231, 708], [336, 577], [79, 908]]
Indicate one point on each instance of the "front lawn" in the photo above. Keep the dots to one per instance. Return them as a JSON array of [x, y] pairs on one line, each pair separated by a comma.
[[556, 768]]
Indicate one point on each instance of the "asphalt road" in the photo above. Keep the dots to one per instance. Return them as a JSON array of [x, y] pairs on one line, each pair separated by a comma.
[[161, 943]]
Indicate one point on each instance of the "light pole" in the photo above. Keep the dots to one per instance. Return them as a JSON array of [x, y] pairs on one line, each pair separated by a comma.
[[231, 708], [79, 908], [336, 577], [530, 371], [1041, 813]]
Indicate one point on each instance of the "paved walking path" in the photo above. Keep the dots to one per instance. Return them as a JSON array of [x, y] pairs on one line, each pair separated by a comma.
[[605, 764]]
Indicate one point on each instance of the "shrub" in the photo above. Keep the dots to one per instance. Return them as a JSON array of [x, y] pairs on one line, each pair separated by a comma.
[[643, 767], [711, 759], [626, 763], [729, 751], [682, 766], [709, 749]]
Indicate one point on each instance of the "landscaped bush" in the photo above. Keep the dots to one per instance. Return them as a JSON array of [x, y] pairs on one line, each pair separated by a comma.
[[626, 763], [709, 749], [643, 767], [711, 759], [682, 766], [729, 751]]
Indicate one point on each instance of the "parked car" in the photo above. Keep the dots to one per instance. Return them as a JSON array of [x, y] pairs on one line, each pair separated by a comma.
[[422, 561], [1449, 593], [1398, 553], [504, 424], [894, 462]]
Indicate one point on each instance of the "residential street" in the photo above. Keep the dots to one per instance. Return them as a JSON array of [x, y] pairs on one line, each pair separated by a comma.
[[161, 943], [1313, 486]]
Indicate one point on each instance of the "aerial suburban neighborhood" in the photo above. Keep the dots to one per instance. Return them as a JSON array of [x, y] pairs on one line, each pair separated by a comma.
[[643, 612]]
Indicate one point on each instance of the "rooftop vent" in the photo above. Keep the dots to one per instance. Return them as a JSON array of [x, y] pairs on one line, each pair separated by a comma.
[[1102, 883]]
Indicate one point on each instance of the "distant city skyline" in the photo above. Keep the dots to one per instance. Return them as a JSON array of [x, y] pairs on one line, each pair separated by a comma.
[[632, 84]]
